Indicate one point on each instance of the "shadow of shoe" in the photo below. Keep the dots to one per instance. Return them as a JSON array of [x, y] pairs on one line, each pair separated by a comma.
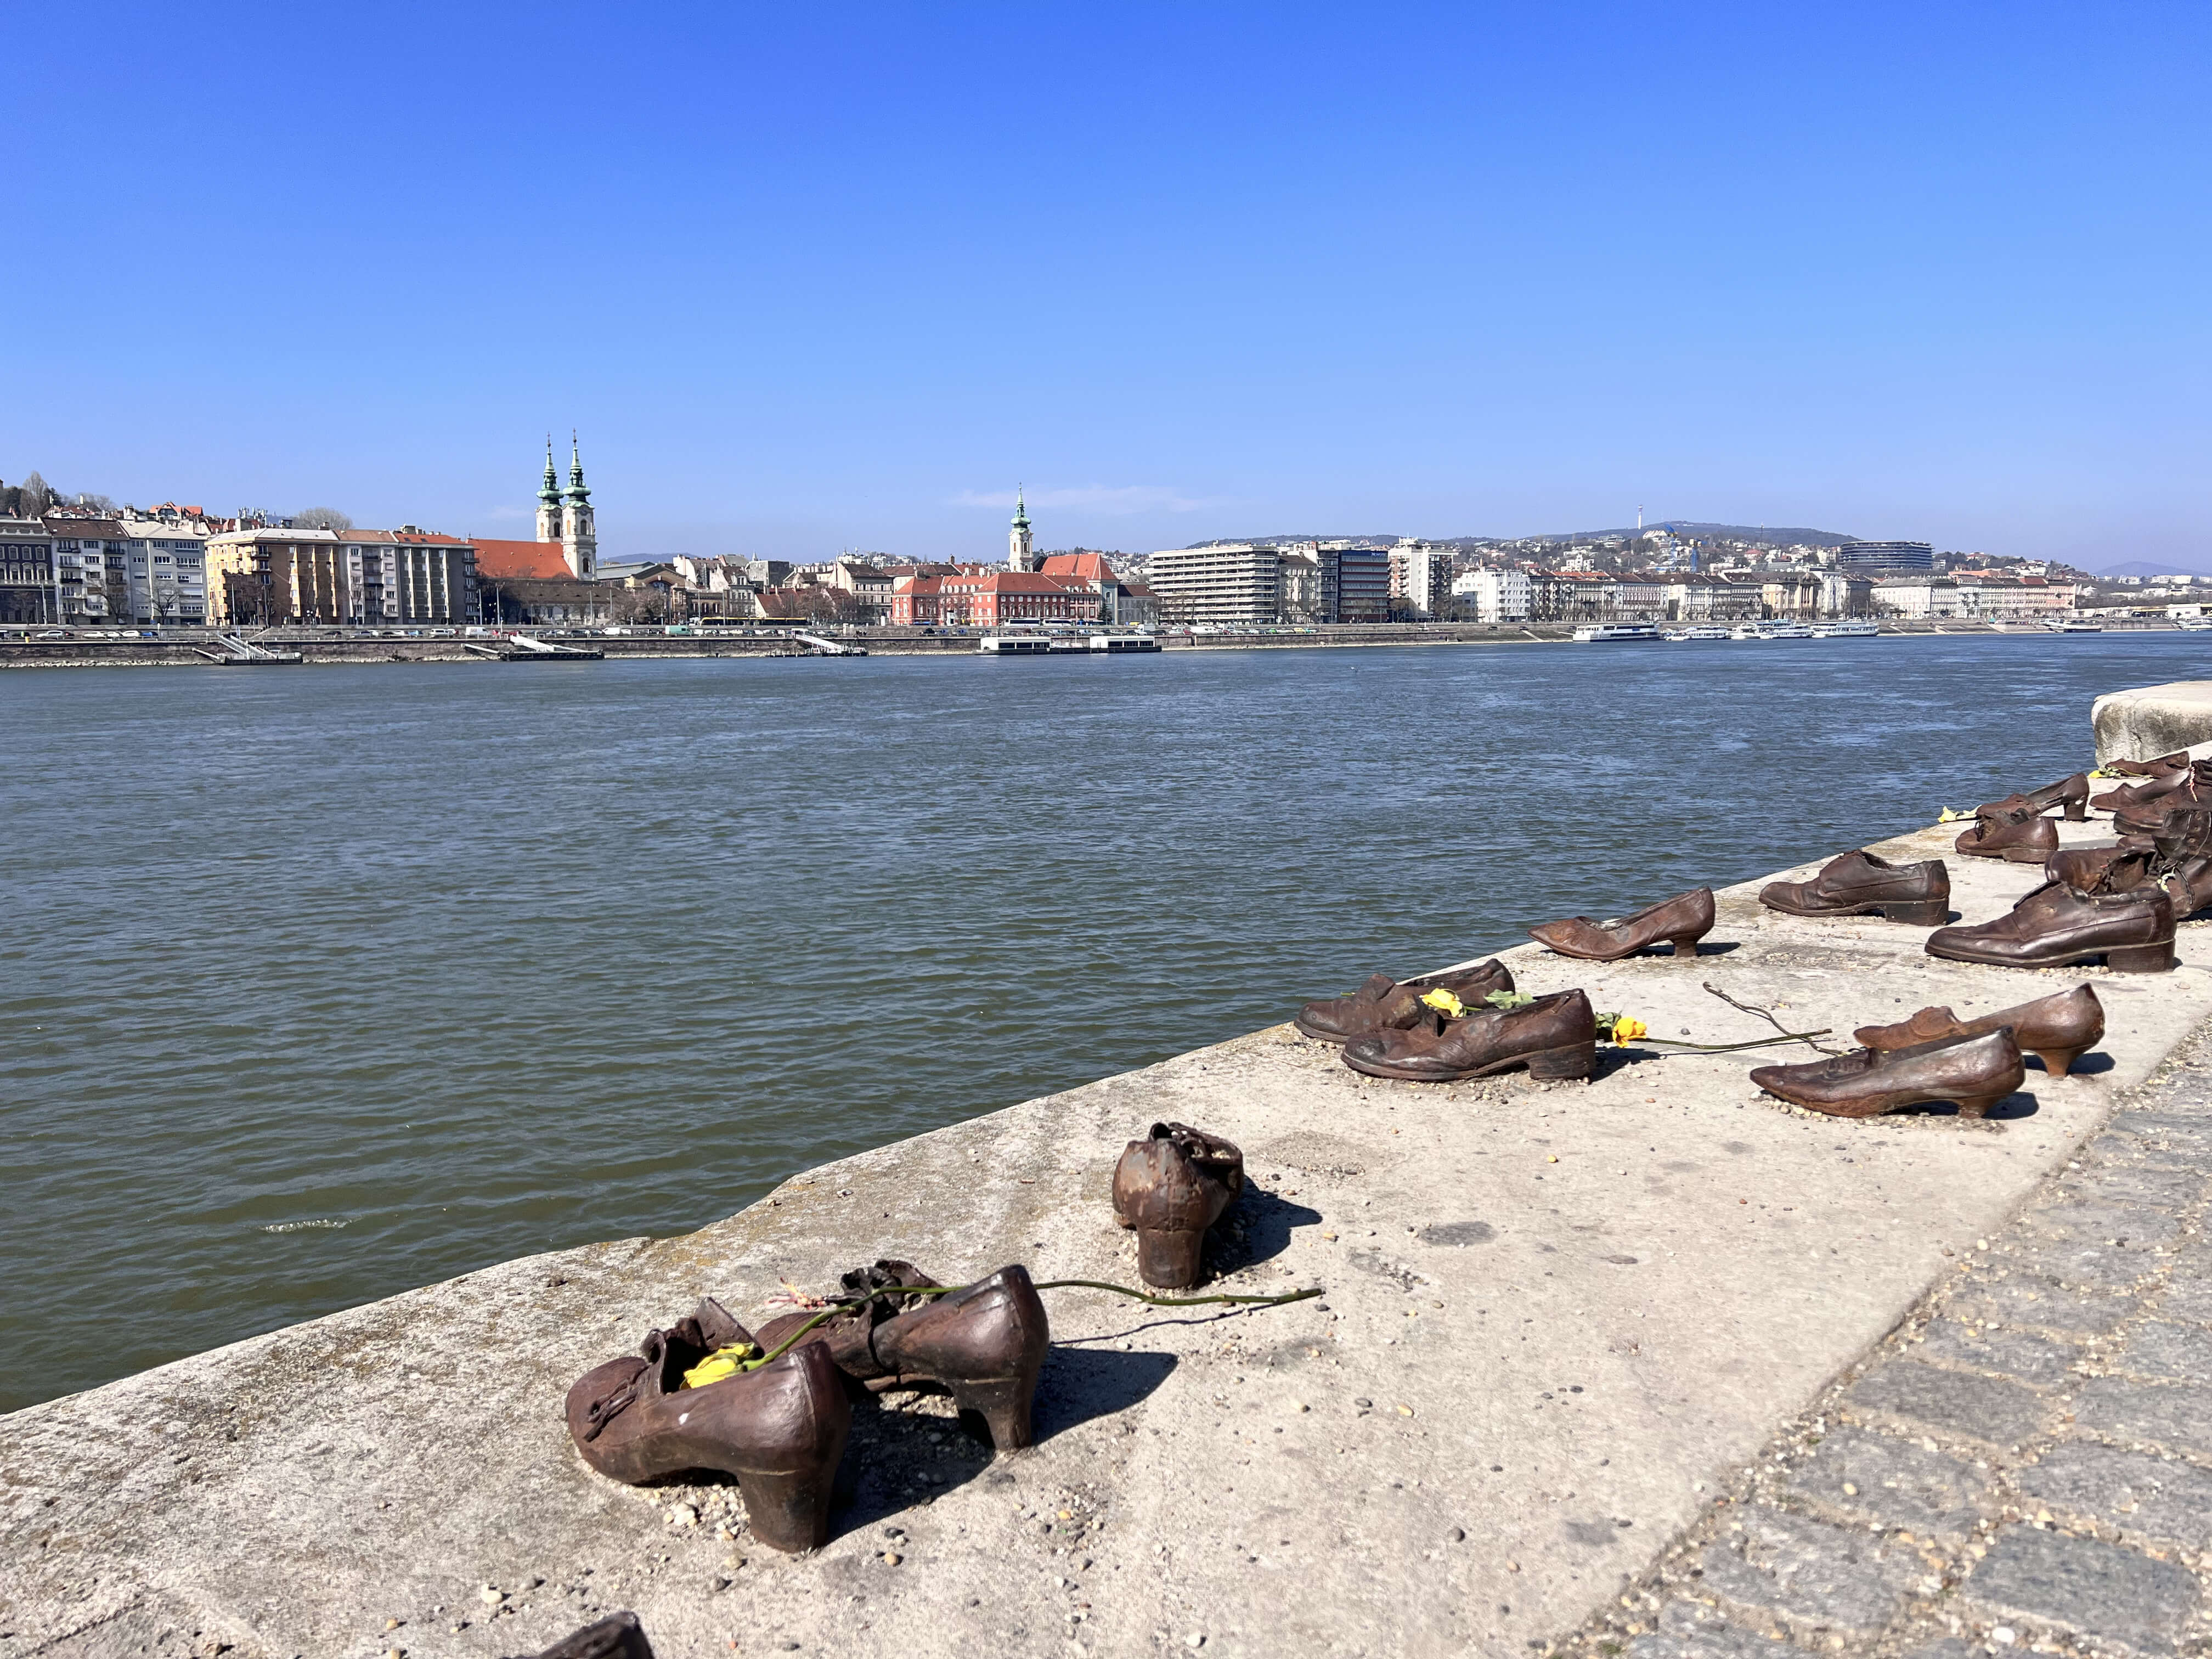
[[2086, 1065], [1080, 1384], [1256, 1230]]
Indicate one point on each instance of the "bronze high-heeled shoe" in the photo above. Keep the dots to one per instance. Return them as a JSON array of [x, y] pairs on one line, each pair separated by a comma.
[[1679, 922], [2059, 1029], [1973, 1072], [1169, 1187], [779, 1430], [983, 1344]]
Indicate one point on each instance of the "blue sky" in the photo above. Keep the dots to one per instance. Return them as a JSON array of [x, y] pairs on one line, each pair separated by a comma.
[[809, 278]]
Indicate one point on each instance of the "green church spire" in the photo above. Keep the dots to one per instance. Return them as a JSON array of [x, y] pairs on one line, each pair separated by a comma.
[[550, 491], [576, 490]]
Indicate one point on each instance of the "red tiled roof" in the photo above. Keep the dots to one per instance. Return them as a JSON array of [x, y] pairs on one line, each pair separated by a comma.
[[1079, 567], [520, 559]]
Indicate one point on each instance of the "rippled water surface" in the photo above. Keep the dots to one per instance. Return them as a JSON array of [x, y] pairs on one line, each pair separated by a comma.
[[326, 982]]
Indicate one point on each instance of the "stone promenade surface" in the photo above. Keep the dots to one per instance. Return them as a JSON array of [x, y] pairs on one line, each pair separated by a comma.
[[1558, 1322], [2025, 1465]]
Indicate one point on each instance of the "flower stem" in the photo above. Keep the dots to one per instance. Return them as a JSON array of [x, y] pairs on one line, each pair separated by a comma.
[[852, 1304], [1730, 1047]]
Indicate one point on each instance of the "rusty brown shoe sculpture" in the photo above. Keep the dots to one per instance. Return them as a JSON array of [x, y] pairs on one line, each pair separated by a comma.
[[779, 1430], [2061, 1028], [2180, 862], [2015, 831], [1169, 1187], [983, 1344], [1555, 1036], [616, 1637], [1859, 884], [2058, 926], [1679, 922], [1384, 1004], [2164, 766], [2070, 793], [1973, 1072]]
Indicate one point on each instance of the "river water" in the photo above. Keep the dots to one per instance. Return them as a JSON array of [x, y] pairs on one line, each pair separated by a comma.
[[323, 983]]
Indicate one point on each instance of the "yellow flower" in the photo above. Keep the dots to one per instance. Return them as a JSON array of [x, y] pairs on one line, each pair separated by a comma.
[[722, 1363], [1626, 1028], [1446, 1003], [1950, 816]]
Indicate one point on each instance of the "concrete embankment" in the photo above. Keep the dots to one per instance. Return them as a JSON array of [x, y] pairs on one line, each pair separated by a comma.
[[2153, 720], [316, 647], [1556, 1319]]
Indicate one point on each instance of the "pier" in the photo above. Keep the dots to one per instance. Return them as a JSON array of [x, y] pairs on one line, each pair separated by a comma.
[[1562, 1327]]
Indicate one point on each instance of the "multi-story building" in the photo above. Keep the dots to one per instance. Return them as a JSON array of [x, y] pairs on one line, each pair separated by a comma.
[[28, 591], [1355, 581], [165, 575], [1299, 594], [1885, 558], [1420, 575], [1924, 598], [1498, 595], [261, 577], [1237, 585], [91, 568], [871, 584], [990, 599]]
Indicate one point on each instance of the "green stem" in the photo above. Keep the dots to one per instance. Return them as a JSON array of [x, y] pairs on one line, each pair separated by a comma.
[[1730, 1047], [1178, 1302]]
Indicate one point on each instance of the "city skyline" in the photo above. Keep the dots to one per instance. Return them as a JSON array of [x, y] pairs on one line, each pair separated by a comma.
[[1186, 274]]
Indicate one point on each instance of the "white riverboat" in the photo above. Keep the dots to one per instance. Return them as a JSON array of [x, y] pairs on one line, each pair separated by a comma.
[[1014, 645], [2074, 625], [1115, 644], [1607, 633], [1772, 630], [1706, 632], [1855, 628]]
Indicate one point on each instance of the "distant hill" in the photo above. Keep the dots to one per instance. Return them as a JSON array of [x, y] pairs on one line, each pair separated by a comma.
[[2152, 567], [1771, 535]]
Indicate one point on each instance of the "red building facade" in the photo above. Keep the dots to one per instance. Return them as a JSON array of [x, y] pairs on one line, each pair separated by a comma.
[[978, 600]]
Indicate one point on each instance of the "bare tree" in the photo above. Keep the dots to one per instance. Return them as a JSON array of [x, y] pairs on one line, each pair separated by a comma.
[[321, 518], [37, 495]]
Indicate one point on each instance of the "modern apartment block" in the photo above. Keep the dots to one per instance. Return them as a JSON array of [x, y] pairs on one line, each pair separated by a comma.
[[164, 572], [261, 577], [1885, 558], [1359, 583], [27, 593], [1498, 595], [91, 570], [1420, 575], [1235, 586]]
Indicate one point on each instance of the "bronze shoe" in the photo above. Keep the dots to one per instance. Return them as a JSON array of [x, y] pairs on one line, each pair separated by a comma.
[[1974, 1072], [779, 1430], [1170, 1186], [1555, 1036], [2071, 793], [2165, 766], [2017, 832], [1384, 1004], [2180, 862], [1680, 921], [2167, 816], [2058, 926], [983, 1344], [619, 1636], [2189, 779], [1859, 884], [2061, 1028]]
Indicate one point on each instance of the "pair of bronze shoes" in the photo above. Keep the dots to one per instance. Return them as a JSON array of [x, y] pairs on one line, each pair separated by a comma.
[[2119, 913], [1169, 1188], [1859, 884], [1554, 1036], [683, 1402], [1384, 1004], [1936, 1056], [2015, 829], [1679, 922]]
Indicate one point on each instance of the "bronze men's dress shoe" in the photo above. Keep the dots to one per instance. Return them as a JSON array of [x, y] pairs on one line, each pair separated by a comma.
[[1384, 1004], [779, 1430], [2164, 766], [2058, 926], [983, 1344], [2127, 796], [1169, 1187], [1555, 1036], [2180, 862], [2015, 831], [1859, 884], [2072, 794], [617, 1637], [1680, 921], [2167, 816], [2061, 1028], [1974, 1072]]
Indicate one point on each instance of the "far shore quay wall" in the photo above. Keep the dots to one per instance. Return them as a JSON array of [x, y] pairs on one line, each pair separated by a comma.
[[177, 652], [1557, 1319]]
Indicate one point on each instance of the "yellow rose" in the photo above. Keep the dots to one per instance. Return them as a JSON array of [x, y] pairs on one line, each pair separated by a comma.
[[722, 1363], [1626, 1030], [1446, 1003]]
